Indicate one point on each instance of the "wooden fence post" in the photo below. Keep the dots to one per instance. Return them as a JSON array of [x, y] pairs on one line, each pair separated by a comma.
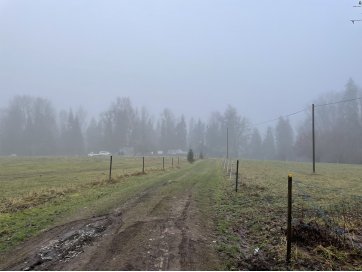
[[163, 163]]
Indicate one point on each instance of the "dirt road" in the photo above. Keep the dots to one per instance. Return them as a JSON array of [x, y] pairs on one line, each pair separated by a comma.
[[167, 226]]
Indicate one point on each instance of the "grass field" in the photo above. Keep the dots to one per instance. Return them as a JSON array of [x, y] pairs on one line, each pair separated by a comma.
[[327, 216], [37, 193]]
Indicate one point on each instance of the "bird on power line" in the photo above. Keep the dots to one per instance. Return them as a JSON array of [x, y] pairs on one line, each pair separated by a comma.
[[355, 21]]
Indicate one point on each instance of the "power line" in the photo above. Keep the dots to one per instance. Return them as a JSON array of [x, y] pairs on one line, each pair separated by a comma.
[[303, 110], [282, 116], [275, 119], [338, 102]]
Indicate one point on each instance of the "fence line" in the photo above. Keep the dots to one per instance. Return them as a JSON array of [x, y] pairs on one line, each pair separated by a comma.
[[312, 215]]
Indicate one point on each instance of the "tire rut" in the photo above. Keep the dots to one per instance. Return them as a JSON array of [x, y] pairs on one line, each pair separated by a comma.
[[60, 244], [155, 230]]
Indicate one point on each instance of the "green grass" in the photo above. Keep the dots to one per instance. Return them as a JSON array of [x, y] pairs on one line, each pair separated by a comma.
[[21, 175], [252, 222], [37, 193], [250, 225]]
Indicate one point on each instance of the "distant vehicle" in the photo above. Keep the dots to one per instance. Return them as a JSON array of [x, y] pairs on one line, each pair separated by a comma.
[[104, 153], [92, 154], [101, 153]]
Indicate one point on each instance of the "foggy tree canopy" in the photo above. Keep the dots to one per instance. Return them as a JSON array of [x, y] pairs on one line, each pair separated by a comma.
[[31, 126]]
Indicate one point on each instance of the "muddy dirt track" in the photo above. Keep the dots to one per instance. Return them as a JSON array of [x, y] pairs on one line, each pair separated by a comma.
[[167, 226]]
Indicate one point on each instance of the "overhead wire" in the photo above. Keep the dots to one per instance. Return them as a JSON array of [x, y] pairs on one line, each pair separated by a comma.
[[305, 109], [308, 199], [282, 116], [338, 102]]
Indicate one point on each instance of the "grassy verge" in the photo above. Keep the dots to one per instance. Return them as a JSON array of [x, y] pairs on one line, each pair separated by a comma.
[[252, 222]]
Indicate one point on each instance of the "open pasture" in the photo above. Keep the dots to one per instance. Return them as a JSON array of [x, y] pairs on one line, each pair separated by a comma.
[[248, 226], [25, 175], [327, 216], [35, 192]]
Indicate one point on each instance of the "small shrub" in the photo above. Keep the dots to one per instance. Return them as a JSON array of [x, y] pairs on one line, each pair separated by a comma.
[[190, 156]]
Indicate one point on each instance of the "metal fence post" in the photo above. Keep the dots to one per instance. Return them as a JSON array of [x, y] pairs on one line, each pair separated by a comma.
[[237, 175], [143, 165], [231, 170], [289, 230], [110, 169]]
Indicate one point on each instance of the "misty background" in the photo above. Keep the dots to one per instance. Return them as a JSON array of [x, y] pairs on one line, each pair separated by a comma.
[[163, 75]]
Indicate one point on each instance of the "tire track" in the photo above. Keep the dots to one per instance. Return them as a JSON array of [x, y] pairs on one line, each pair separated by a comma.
[[158, 229]]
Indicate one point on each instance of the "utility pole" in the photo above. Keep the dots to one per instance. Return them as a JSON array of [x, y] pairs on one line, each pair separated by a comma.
[[313, 138]]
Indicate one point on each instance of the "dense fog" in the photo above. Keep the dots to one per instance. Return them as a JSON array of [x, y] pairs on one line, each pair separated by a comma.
[[161, 77], [31, 126]]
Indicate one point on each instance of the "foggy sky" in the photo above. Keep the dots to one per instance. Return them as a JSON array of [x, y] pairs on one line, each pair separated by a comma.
[[266, 58]]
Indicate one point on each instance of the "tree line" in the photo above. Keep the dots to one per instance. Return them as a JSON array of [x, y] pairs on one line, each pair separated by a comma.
[[31, 126], [338, 131]]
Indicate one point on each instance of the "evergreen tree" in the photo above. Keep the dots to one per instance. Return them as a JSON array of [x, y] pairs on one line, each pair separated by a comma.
[[143, 134], [215, 135], [181, 134], [197, 136], [269, 145], [284, 140], [237, 127], [349, 126], [167, 127], [94, 136], [72, 141], [256, 145], [190, 156]]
